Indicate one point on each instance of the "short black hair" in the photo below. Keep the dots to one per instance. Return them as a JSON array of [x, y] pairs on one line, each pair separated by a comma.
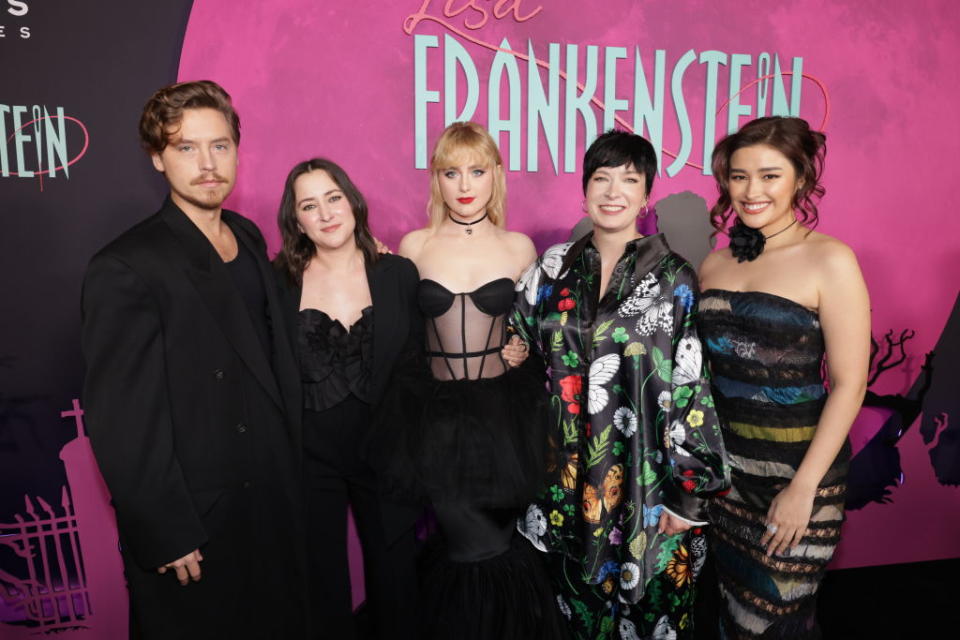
[[617, 148]]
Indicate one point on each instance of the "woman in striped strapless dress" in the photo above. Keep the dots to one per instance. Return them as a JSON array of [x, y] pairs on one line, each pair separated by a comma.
[[775, 303]]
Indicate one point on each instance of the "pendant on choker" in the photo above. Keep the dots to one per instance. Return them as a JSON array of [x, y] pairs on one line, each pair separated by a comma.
[[468, 225]]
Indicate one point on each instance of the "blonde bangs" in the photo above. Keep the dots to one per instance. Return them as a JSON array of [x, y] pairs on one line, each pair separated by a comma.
[[456, 156]]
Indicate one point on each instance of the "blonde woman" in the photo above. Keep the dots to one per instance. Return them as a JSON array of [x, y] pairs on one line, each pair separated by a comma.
[[472, 439]]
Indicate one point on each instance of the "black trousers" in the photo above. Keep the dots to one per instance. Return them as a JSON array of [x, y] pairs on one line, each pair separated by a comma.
[[336, 477]]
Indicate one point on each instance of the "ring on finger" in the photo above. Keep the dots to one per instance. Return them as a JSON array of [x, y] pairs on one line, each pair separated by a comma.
[[772, 528]]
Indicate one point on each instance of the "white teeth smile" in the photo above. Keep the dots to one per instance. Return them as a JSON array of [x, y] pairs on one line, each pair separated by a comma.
[[611, 207], [756, 206]]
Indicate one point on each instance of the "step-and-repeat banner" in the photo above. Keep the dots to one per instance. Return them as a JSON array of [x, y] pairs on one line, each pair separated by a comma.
[[371, 86]]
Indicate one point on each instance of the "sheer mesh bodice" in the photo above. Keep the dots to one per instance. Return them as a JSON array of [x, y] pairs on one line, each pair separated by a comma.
[[465, 331]]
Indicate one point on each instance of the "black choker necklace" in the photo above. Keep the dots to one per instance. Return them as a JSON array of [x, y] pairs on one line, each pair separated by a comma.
[[746, 243], [468, 225]]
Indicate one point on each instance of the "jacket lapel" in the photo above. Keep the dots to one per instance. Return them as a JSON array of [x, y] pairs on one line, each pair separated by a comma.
[[210, 278], [383, 294], [283, 319]]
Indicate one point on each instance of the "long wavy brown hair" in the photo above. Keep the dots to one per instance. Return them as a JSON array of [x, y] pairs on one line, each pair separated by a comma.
[[805, 148], [297, 248]]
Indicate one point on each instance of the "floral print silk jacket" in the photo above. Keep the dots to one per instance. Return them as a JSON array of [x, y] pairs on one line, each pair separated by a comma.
[[634, 419]]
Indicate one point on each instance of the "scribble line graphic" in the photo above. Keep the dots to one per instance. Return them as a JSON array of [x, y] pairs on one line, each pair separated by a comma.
[[40, 172]]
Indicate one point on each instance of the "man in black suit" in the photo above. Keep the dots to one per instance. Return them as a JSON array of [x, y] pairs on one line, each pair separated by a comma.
[[192, 394]]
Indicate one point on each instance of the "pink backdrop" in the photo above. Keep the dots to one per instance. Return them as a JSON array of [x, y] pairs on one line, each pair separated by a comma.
[[337, 79]]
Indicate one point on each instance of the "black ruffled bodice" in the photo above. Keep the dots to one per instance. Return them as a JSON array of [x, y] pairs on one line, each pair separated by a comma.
[[334, 361]]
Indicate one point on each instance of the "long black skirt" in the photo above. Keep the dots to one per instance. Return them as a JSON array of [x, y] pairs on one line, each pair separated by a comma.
[[477, 452]]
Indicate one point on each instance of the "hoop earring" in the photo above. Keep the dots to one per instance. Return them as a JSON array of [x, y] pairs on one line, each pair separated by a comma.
[[645, 212]]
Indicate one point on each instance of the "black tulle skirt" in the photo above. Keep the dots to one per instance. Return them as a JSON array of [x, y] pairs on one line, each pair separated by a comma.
[[506, 597], [476, 451], [481, 442]]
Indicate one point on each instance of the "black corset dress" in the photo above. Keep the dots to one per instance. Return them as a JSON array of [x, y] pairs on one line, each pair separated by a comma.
[[471, 441]]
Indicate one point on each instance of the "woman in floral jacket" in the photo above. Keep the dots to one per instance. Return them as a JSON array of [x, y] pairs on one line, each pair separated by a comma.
[[640, 449]]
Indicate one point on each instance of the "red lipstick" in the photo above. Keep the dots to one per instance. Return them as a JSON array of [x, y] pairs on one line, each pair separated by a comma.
[[465, 200]]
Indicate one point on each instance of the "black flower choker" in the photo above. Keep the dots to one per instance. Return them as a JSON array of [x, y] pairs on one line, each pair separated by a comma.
[[746, 243]]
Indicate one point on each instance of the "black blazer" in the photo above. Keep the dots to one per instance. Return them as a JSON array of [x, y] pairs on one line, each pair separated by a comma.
[[398, 336], [183, 405]]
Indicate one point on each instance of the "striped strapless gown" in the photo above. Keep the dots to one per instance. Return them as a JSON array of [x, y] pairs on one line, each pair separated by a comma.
[[766, 355]]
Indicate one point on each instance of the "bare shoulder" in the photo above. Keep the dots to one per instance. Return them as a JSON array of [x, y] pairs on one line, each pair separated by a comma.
[[839, 279], [521, 246], [833, 257], [412, 243], [714, 263], [518, 241]]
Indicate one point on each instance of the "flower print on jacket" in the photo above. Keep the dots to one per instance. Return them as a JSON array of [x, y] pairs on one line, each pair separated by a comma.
[[625, 376], [685, 296], [688, 483], [629, 576], [625, 420], [571, 388]]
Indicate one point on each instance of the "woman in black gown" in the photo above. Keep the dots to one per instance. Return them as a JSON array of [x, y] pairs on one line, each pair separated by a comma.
[[473, 438], [353, 315]]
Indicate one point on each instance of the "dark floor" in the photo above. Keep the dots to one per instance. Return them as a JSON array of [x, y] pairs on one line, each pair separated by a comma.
[[892, 602], [917, 601]]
